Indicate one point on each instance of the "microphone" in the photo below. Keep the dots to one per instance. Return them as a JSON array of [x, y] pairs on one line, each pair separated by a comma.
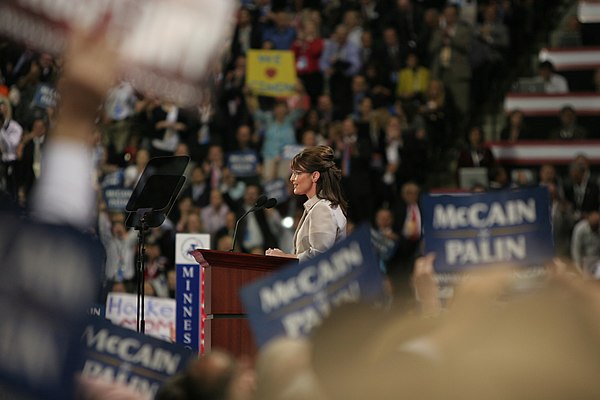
[[260, 203], [272, 202]]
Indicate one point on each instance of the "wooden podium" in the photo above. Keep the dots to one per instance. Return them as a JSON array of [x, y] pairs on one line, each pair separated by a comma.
[[225, 273]]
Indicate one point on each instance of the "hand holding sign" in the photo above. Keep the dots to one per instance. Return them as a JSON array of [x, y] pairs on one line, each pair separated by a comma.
[[169, 47]]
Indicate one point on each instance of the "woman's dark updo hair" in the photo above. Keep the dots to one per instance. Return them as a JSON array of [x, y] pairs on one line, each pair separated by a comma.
[[321, 158]]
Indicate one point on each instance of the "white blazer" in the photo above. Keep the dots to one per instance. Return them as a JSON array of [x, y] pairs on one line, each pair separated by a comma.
[[322, 225]]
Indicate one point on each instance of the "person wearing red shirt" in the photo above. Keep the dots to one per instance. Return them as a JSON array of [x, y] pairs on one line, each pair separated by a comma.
[[307, 50]]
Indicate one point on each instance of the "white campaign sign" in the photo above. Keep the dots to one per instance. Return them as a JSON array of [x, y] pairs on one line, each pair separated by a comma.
[[159, 314]]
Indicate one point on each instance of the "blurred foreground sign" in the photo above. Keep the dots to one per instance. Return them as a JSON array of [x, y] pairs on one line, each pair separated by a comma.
[[296, 299], [50, 277], [496, 227], [169, 47], [119, 355]]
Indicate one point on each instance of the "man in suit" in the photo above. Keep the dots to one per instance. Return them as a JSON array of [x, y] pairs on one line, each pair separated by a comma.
[[580, 190], [408, 223], [450, 48], [353, 153], [258, 230], [199, 189]]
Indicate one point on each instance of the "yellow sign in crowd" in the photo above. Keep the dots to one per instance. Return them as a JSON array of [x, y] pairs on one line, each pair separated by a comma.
[[271, 72]]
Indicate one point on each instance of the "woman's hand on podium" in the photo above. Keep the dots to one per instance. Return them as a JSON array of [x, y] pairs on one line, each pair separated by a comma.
[[278, 253]]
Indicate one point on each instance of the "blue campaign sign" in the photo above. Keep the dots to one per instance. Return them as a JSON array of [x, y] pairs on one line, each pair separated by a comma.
[[296, 299], [116, 197], [121, 355], [243, 163], [497, 227], [50, 278], [45, 96]]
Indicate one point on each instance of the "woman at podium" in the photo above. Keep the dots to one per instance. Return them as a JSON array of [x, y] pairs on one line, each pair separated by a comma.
[[323, 222]]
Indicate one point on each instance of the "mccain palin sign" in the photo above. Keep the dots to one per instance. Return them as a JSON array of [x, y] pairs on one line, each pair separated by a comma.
[[296, 299], [496, 227], [138, 361]]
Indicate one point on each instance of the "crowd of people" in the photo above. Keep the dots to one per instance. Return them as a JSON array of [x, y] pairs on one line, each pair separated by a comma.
[[390, 86]]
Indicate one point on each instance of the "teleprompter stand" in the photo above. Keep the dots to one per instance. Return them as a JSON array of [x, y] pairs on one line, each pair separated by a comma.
[[151, 200]]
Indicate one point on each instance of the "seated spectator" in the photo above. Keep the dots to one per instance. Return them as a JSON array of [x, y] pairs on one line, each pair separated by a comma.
[[515, 128], [568, 129], [476, 153], [553, 82], [214, 165], [498, 178], [568, 35]]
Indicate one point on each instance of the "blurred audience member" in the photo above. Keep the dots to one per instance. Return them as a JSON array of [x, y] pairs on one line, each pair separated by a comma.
[[580, 190], [515, 128], [568, 128], [553, 82], [585, 244]]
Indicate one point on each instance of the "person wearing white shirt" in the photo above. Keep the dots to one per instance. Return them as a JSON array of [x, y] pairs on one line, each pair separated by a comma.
[[553, 82]]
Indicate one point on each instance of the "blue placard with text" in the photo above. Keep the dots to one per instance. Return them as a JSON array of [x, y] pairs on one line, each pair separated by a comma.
[[189, 308], [296, 299], [139, 361], [467, 231], [243, 163]]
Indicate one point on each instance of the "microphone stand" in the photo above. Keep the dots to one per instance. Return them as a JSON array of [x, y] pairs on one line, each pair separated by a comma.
[[262, 200]]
